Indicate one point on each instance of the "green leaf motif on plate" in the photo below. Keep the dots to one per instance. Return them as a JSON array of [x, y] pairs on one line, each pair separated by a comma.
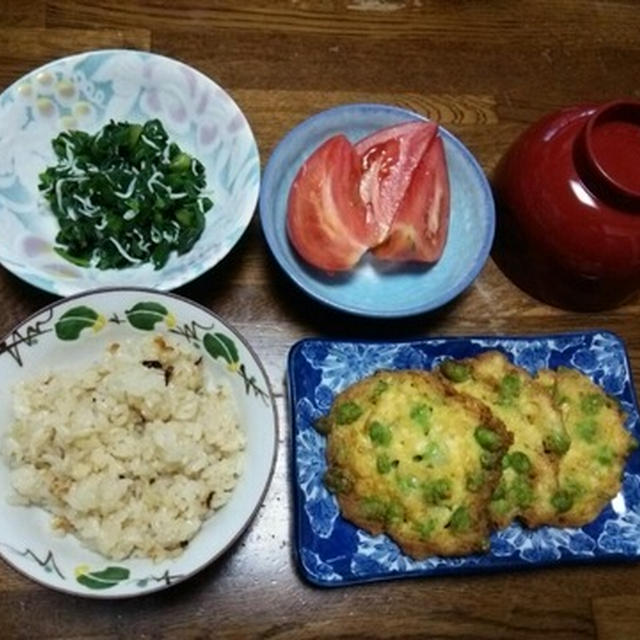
[[73, 321], [104, 579], [145, 315], [220, 346]]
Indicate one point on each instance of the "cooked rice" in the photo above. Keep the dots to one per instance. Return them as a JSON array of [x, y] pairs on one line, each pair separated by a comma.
[[131, 454]]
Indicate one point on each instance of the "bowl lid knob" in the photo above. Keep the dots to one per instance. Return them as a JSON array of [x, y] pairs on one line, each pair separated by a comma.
[[611, 142]]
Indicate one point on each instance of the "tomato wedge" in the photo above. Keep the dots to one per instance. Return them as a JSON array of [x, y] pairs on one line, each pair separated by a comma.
[[326, 218], [389, 159], [419, 228]]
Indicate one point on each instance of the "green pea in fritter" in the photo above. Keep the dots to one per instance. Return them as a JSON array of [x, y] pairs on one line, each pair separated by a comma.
[[530, 468], [590, 472], [409, 456]]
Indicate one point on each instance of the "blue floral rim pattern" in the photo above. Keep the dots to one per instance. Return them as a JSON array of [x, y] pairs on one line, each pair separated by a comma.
[[332, 552]]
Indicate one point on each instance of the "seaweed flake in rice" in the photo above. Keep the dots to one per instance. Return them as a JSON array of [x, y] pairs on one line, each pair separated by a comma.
[[131, 454]]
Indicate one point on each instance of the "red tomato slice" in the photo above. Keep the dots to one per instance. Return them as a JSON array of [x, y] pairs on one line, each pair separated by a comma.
[[419, 230], [326, 218], [389, 158]]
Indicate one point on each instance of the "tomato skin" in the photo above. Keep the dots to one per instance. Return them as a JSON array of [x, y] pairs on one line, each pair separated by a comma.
[[419, 229], [389, 192], [326, 218], [389, 159]]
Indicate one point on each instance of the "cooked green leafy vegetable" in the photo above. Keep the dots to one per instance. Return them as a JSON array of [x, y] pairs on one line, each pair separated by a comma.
[[124, 196]]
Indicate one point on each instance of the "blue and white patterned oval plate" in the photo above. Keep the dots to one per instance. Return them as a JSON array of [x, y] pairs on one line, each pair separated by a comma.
[[333, 552], [84, 92], [371, 288]]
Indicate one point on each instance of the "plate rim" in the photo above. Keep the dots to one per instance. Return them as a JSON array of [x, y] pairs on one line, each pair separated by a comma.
[[33, 279], [106, 595], [270, 176], [503, 563]]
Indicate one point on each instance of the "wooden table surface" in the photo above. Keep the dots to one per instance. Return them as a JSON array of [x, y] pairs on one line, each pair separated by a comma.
[[484, 69]]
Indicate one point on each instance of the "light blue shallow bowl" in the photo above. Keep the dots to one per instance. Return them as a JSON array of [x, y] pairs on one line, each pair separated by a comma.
[[374, 288]]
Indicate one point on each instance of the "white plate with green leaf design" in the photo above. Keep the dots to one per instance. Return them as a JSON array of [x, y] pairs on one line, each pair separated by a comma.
[[74, 333]]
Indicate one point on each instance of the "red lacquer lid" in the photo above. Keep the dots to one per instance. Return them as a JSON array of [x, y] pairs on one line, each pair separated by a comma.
[[568, 207], [612, 146]]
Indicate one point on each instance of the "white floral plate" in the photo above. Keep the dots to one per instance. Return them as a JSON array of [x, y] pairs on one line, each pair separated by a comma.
[[73, 333], [84, 92], [332, 552]]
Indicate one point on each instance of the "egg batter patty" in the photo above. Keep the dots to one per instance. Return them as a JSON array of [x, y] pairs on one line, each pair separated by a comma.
[[590, 473], [409, 456], [530, 468]]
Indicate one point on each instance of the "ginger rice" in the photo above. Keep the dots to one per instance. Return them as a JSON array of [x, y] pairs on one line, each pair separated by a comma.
[[131, 454]]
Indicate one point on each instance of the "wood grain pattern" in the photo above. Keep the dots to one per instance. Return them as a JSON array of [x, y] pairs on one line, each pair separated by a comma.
[[30, 47], [504, 23], [485, 70], [22, 14], [616, 617]]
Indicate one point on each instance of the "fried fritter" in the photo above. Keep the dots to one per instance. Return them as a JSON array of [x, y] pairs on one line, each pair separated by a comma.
[[409, 456], [530, 468], [589, 475]]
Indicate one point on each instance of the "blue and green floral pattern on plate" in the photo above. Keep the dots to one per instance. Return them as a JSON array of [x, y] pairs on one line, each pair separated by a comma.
[[332, 552]]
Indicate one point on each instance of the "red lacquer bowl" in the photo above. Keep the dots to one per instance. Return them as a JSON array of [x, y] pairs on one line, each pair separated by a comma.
[[568, 207]]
